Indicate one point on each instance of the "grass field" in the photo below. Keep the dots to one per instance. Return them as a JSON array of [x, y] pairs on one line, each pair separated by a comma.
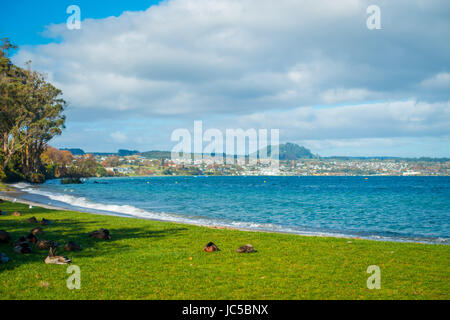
[[157, 260]]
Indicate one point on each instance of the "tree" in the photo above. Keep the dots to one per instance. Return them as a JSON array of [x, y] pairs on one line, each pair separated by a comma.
[[30, 114]]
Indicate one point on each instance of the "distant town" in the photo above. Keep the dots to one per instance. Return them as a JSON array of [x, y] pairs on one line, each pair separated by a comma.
[[294, 161]]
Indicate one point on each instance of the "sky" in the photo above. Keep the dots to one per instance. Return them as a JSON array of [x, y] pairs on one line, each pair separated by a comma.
[[137, 70]]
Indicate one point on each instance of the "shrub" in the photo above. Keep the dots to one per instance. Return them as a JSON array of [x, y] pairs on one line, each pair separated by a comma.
[[36, 178]]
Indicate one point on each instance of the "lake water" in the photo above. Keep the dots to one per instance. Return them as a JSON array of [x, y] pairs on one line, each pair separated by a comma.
[[384, 208]]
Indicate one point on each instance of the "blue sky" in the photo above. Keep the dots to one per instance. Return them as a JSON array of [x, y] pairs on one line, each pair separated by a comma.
[[25, 20], [137, 70]]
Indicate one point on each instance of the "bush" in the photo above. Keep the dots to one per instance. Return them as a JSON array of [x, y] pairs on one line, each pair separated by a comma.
[[2, 174], [71, 181], [36, 178]]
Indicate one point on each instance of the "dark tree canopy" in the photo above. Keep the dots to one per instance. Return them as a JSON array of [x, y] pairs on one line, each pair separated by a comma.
[[30, 116]]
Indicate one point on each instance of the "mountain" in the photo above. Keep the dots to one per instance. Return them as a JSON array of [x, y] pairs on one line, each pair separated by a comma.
[[124, 152], [156, 154], [292, 151], [74, 151]]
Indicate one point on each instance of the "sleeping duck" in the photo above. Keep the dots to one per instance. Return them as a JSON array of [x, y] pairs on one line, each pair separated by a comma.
[[248, 248], [32, 220], [37, 231], [31, 238], [55, 259], [45, 222], [100, 234], [72, 246], [45, 244], [210, 247], [23, 248], [20, 240]]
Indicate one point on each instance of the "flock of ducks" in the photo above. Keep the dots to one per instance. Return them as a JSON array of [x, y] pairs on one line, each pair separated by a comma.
[[211, 247], [25, 244]]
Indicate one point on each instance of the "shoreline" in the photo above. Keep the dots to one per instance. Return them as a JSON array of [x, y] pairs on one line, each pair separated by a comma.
[[14, 196], [148, 259]]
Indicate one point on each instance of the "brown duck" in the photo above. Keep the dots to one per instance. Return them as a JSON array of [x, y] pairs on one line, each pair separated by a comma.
[[20, 240], [210, 247], [23, 248], [31, 238], [37, 231], [100, 234], [45, 222], [55, 259], [45, 244], [32, 220], [248, 248], [72, 246], [4, 236]]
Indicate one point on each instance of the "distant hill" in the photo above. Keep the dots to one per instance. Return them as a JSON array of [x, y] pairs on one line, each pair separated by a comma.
[[288, 151], [156, 154], [292, 151], [124, 152], [74, 151]]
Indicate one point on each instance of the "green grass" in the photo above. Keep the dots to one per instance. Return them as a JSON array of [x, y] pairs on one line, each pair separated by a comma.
[[4, 187], [157, 260]]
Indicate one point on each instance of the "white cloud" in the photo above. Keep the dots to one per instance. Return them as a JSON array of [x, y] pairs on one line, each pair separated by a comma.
[[119, 136], [215, 56], [376, 120], [259, 63], [440, 81]]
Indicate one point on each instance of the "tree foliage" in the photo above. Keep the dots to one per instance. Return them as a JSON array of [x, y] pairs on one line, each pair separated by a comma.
[[30, 116]]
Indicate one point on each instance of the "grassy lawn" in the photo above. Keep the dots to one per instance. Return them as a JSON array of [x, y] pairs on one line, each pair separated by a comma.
[[4, 187], [158, 260]]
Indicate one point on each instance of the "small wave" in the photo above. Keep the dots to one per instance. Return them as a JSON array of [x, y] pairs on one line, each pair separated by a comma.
[[128, 210]]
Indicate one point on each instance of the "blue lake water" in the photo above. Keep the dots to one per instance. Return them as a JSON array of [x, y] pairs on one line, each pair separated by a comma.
[[385, 208]]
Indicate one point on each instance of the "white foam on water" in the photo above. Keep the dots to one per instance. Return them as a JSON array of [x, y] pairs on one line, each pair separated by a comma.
[[82, 202]]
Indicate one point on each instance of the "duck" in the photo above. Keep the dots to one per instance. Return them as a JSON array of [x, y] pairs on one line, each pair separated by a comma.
[[248, 248], [55, 259], [31, 238], [3, 258], [16, 214], [32, 220], [45, 222], [45, 244], [72, 246], [37, 231], [20, 241], [23, 248], [100, 234], [5, 237], [210, 247]]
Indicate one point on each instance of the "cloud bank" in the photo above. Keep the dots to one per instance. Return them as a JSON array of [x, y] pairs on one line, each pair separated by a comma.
[[311, 68]]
